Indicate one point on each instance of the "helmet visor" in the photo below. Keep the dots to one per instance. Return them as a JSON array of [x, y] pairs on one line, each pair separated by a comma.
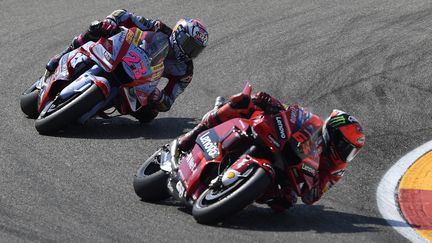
[[191, 47], [346, 150]]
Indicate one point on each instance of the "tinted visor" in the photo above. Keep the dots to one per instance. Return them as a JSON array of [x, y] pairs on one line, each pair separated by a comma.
[[191, 47], [345, 149]]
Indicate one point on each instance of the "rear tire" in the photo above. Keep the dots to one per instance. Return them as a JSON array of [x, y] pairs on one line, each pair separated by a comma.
[[150, 182], [214, 205], [29, 102], [70, 112]]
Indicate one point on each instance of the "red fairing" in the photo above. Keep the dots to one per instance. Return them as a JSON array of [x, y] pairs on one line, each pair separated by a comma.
[[273, 130], [208, 150], [246, 161]]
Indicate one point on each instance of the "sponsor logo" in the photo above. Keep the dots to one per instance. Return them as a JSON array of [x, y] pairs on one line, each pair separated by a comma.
[[190, 162], [208, 146], [293, 116], [352, 119], [337, 121], [280, 126], [201, 35], [107, 56], [129, 37], [137, 37], [180, 188]]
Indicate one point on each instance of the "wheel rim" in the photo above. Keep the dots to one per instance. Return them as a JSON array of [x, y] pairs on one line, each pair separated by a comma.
[[213, 195], [151, 166]]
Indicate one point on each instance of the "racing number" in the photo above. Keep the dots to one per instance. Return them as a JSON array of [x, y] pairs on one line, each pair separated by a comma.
[[131, 61]]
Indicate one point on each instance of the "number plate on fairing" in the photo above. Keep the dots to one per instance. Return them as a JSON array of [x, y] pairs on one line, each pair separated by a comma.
[[136, 63], [103, 56]]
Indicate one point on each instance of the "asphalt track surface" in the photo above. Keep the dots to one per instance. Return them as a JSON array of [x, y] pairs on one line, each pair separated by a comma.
[[372, 58]]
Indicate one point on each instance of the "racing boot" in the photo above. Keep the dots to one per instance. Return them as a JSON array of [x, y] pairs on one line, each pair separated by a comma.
[[93, 33], [54, 61], [187, 141]]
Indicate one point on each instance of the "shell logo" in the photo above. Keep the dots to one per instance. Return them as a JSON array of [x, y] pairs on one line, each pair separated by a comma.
[[230, 174]]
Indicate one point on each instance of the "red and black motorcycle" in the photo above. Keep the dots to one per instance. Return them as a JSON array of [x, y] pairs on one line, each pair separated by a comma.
[[232, 165]]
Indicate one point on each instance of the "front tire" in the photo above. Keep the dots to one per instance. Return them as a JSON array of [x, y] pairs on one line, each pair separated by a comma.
[[69, 111], [29, 102], [150, 182], [214, 205]]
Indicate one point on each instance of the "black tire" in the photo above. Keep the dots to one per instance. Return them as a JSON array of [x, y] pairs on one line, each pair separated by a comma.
[[70, 111], [150, 182], [237, 196], [29, 102]]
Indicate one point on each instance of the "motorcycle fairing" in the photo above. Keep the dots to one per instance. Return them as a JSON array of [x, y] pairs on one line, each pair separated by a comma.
[[242, 166], [79, 85], [72, 62], [84, 81], [207, 151]]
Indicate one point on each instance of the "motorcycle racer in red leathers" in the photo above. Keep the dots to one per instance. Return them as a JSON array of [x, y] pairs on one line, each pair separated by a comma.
[[340, 139], [186, 41]]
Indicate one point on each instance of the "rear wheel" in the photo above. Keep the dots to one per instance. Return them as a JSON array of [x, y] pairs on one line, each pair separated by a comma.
[[215, 204], [29, 102], [69, 111], [150, 182]]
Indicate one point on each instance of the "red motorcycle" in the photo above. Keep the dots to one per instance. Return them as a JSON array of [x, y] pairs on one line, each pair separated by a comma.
[[232, 165]]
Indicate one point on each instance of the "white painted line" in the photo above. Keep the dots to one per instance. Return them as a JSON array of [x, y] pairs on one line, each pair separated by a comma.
[[387, 193]]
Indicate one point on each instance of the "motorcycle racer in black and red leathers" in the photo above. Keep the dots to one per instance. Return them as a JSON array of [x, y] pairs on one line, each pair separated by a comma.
[[186, 41], [340, 138]]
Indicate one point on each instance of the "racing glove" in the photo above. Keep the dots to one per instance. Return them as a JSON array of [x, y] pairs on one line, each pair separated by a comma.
[[160, 26], [267, 103], [108, 26]]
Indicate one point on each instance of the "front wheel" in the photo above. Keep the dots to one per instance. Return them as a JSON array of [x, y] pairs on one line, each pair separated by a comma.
[[29, 102], [150, 182], [69, 111], [215, 204]]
